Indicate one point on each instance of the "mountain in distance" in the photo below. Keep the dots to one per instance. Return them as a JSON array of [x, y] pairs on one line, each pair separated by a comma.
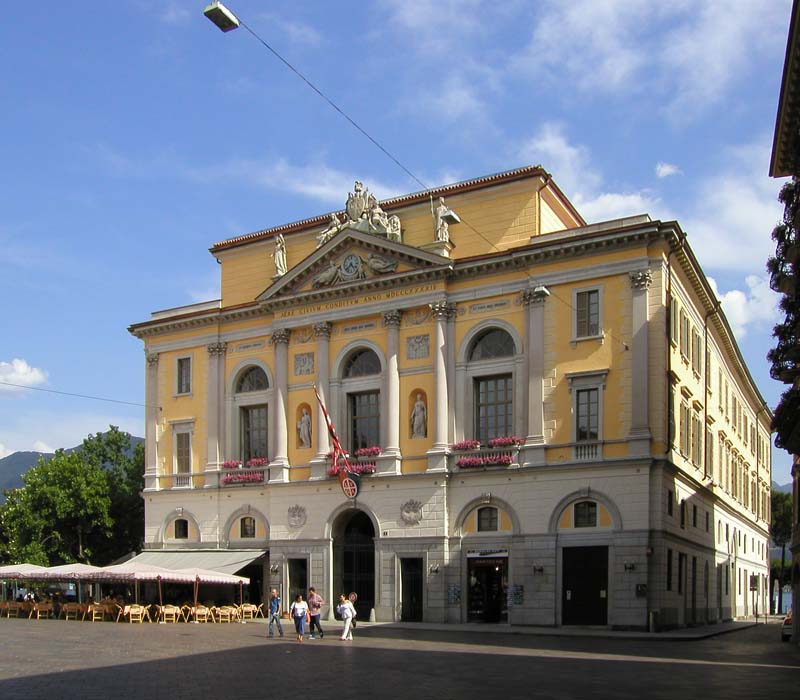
[[17, 463], [785, 488]]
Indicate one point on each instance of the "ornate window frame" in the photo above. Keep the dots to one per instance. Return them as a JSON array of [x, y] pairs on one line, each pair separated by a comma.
[[234, 402]]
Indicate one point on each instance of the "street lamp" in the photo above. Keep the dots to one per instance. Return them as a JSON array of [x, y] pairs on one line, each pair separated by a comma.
[[221, 16]]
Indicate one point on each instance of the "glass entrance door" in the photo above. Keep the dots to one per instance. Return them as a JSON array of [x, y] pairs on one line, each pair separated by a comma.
[[411, 577], [487, 581]]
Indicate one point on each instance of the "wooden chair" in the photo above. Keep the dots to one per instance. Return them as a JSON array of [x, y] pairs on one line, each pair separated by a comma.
[[247, 611], [226, 613], [137, 613], [42, 610], [170, 613], [97, 612], [70, 610], [203, 614], [14, 608], [260, 611]]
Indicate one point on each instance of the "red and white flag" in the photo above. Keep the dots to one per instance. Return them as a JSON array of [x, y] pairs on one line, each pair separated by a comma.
[[348, 480]]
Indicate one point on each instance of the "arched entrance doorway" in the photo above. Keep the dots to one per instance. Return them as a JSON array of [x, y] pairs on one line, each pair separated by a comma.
[[354, 559]]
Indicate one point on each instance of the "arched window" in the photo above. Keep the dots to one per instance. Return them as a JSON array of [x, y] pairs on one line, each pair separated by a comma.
[[181, 529], [253, 379], [493, 384], [491, 345], [361, 381], [247, 527], [362, 364]]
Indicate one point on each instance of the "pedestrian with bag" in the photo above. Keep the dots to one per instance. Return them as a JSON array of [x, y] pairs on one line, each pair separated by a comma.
[[300, 615], [347, 612], [315, 603], [275, 613]]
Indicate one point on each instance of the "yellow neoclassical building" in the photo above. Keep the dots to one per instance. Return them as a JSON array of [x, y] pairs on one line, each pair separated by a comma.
[[552, 420]]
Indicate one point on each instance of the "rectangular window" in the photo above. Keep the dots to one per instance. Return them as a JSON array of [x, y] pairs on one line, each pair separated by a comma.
[[183, 458], [365, 419], [681, 570], [487, 519], [587, 321], [254, 432], [697, 352], [670, 501], [683, 514], [685, 328], [494, 407], [708, 521], [184, 372], [587, 410], [669, 569], [694, 516], [585, 514], [686, 428], [674, 332]]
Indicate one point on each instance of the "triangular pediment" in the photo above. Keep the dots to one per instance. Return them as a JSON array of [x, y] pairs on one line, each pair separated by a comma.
[[352, 262]]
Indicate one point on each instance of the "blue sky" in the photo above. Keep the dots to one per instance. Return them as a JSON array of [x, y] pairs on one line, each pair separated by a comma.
[[135, 134]]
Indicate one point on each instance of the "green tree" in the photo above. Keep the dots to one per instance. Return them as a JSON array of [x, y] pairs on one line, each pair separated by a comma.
[[780, 529], [81, 506], [59, 513]]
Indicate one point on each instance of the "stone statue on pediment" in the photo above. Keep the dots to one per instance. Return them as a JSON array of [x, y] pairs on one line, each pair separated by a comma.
[[280, 256], [364, 213], [334, 226]]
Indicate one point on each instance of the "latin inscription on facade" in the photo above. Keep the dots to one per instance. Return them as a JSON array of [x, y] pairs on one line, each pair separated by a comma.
[[359, 301], [358, 327], [488, 306], [242, 347]]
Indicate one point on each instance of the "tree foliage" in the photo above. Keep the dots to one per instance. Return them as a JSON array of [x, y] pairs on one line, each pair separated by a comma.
[[81, 506], [780, 529]]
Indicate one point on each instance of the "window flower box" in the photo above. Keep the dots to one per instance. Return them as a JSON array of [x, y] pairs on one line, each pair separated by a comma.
[[243, 477], [368, 452], [360, 468], [257, 462], [506, 441], [498, 460], [466, 446], [231, 464]]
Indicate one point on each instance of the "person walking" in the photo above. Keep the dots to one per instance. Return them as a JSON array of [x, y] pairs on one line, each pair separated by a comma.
[[299, 612], [347, 612], [275, 612], [315, 603]]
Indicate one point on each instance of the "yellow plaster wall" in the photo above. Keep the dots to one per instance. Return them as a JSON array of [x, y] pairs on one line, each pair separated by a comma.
[[233, 534]]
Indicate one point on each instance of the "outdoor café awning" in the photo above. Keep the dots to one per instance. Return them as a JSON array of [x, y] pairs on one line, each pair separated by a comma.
[[28, 572], [222, 561]]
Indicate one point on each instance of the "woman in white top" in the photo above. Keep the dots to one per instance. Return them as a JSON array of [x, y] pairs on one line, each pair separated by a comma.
[[299, 612], [347, 612]]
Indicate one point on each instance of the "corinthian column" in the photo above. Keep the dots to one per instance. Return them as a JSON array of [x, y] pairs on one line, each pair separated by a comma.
[[639, 437], [533, 451], [437, 455], [216, 379], [279, 467], [322, 332], [151, 421], [391, 320]]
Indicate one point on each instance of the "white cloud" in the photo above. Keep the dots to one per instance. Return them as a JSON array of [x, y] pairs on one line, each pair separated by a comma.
[[687, 54], [207, 290], [20, 373], [755, 307], [572, 170], [666, 169], [4, 451], [297, 32], [48, 430], [436, 25], [39, 446], [733, 212]]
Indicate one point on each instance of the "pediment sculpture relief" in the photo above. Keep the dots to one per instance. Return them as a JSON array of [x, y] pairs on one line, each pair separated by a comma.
[[352, 268], [363, 213]]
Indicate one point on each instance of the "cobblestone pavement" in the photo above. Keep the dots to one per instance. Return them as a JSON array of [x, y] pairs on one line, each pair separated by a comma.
[[57, 659]]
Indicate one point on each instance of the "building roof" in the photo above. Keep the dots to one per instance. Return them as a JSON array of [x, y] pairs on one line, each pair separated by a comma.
[[785, 142], [529, 171]]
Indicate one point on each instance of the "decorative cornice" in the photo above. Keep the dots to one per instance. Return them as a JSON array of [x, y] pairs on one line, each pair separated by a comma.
[[641, 280], [280, 336], [534, 296], [392, 318], [323, 329], [440, 310]]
